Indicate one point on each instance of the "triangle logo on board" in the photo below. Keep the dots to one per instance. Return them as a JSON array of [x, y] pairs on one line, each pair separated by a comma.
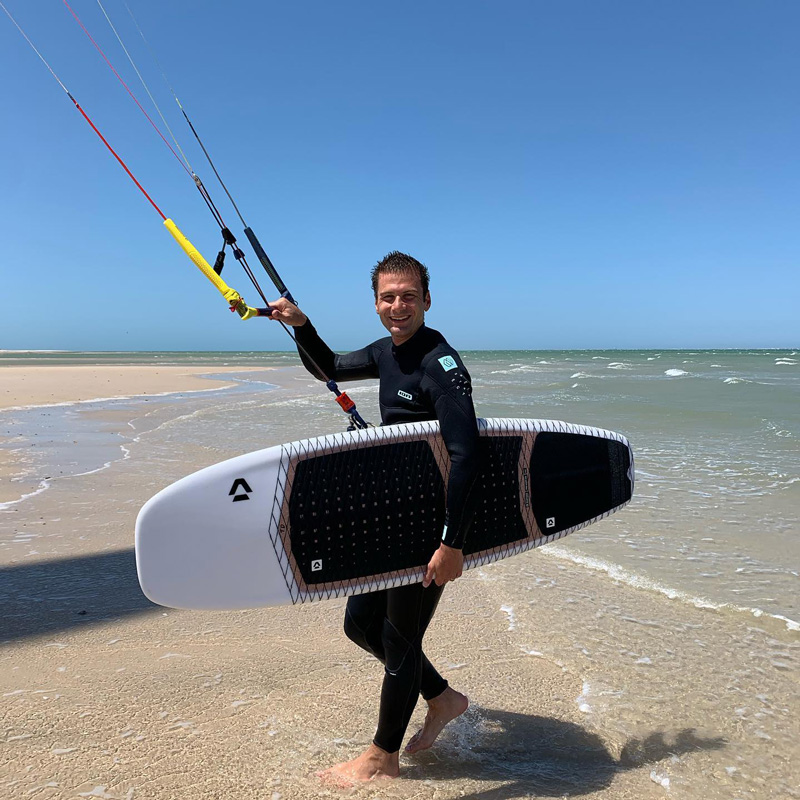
[[240, 490]]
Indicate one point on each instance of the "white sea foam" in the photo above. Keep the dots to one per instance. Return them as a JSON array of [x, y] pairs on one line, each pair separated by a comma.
[[619, 365], [93, 471], [43, 487], [512, 617], [535, 653], [521, 368], [785, 362], [661, 780], [675, 373], [100, 791], [582, 698], [253, 380], [619, 573], [733, 381]]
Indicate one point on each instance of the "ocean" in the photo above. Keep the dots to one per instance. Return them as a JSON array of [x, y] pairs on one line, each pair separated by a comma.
[[680, 614]]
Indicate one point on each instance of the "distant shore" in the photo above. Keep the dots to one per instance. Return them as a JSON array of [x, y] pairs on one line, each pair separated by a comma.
[[52, 384]]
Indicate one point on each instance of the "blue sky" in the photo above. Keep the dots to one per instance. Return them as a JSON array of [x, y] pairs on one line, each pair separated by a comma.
[[574, 173]]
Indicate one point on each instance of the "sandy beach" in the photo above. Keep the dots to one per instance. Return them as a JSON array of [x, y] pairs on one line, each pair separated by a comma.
[[49, 385], [580, 685], [54, 385]]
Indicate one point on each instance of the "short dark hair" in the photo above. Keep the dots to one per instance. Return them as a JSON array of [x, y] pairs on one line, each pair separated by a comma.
[[397, 263]]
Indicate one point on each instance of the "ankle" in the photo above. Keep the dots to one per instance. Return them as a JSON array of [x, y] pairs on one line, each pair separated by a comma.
[[378, 754]]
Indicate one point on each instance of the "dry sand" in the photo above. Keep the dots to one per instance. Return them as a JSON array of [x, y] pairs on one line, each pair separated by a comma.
[[46, 385]]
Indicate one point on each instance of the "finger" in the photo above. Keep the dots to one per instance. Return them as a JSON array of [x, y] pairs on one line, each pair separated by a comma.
[[429, 575]]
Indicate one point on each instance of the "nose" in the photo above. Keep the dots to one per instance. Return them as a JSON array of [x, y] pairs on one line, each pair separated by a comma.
[[398, 304]]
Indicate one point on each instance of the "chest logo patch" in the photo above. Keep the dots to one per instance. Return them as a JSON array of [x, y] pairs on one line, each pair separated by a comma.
[[404, 395], [448, 363]]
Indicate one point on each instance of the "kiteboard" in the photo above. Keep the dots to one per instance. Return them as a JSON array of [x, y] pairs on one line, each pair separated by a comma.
[[364, 510]]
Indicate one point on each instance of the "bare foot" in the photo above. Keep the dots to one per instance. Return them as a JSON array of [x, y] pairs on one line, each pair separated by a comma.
[[372, 764], [441, 710]]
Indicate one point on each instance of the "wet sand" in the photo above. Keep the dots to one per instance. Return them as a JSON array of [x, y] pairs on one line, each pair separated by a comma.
[[105, 695]]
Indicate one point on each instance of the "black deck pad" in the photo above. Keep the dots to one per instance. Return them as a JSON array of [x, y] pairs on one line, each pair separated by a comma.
[[366, 511], [575, 478], [380, 509]]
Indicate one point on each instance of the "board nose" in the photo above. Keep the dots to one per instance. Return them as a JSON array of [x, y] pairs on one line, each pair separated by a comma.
[[203, 542]]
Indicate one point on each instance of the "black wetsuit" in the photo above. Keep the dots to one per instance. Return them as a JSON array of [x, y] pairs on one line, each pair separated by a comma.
[[421, 379]]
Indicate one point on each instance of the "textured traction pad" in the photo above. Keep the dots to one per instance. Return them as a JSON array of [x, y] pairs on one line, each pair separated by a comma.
[[380, 509]]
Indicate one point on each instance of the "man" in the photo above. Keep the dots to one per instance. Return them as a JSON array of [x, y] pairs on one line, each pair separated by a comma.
[[421, 378]]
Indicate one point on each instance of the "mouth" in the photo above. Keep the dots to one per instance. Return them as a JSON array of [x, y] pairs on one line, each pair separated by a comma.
[[400, 320]]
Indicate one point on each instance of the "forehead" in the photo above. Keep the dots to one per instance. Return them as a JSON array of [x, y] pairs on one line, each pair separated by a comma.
[[399, 283]]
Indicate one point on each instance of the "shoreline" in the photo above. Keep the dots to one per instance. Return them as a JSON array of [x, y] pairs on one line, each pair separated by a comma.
[[52, 385], [59, 386]]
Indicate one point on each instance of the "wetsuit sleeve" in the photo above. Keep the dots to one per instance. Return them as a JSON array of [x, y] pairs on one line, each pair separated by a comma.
[[355, 366], [450, 390]]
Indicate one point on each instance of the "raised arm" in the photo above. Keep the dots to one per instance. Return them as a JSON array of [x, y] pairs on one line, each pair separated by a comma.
[[316, 355]]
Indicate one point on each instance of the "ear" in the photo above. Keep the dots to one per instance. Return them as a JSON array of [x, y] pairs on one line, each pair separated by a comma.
[[427, 303]]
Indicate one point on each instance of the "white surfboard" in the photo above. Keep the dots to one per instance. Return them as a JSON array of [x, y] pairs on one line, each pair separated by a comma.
[[364, 510]]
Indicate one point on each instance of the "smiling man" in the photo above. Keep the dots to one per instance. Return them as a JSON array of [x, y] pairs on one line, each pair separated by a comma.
[[421, 378]]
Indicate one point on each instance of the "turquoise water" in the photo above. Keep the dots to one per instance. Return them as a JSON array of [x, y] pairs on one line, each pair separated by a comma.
[[716, 436], [679, 612], [717, 442], [24, 358]]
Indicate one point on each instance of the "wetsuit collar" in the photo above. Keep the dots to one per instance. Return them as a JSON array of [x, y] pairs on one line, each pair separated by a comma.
[[414, 342]]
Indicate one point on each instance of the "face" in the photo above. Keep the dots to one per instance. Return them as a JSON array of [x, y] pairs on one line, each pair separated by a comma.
[[401, 305]]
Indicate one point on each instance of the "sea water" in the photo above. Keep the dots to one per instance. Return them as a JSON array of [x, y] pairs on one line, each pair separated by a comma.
[[680, 613]]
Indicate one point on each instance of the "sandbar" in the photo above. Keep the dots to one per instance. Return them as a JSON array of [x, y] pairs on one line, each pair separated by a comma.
[[46, 385], [50, 385]]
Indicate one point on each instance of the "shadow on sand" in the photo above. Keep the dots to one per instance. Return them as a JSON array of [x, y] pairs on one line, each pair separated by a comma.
[[539, 756], [54, 596], [530, 755]]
